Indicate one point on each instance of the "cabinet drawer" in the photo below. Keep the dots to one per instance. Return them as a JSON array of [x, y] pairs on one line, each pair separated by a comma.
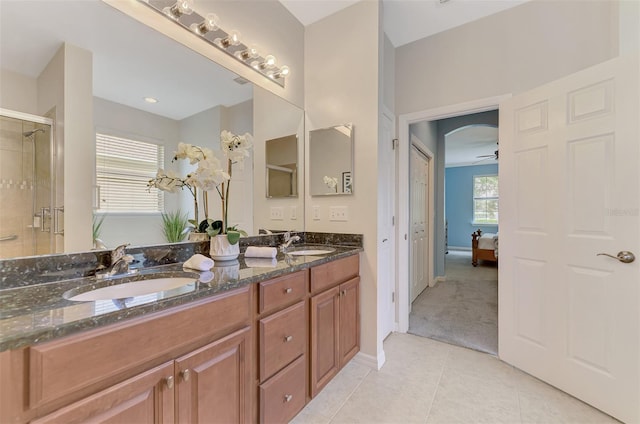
[[283, 396], [282, 291], [333, 273], [90, 359], [283, 338]]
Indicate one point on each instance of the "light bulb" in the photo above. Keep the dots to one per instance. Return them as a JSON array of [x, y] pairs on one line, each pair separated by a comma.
[[182, 7], [269, 61], [284, 71], [234, 38], [251, 52], [211, 22]]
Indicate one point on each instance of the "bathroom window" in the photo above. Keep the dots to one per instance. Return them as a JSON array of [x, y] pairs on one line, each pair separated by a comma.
[[123, 169], [485, 200]]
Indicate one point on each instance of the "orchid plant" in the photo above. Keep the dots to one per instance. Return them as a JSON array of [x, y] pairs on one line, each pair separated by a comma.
[[208, 176], [331, 182]]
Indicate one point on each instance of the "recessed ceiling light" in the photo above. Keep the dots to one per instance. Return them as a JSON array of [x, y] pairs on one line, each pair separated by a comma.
[[150, 100]]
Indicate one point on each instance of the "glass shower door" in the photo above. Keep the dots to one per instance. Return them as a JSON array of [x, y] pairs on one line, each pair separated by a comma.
[[26, 186]]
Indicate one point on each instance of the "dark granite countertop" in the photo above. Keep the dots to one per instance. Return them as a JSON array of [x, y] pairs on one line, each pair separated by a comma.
[[36, 313]]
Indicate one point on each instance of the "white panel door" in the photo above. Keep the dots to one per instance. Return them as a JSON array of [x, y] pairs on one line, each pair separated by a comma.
[[419, 240], [570, 188], [386, 233]]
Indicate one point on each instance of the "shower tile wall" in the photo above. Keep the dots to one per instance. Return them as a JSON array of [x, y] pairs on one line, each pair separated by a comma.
[[17, 188]]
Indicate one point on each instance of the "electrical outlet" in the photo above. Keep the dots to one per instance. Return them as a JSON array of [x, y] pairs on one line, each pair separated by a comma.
[[338, 213], [276, 214], [316, 213], [293, 213]]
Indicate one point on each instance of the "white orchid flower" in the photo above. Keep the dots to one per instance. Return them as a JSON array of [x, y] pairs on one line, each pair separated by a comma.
[[236, 147], [209, 174], [331, 182]]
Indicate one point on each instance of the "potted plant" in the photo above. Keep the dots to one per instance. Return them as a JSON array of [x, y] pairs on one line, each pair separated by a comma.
[[208, 176], [174, 225]]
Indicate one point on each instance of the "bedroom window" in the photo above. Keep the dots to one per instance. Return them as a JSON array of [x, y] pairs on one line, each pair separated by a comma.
[[485, 200], [123, 169]]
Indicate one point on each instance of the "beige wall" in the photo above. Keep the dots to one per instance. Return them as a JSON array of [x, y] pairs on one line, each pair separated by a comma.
[[18, 92], [274, 118], [342, 85], [264, 22], [508, 52]]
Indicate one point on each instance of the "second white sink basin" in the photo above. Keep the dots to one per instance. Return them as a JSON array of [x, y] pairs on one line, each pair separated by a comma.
[[310, 252], [132, 289]]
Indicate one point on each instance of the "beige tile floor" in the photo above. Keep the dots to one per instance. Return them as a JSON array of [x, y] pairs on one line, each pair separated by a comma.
[[426, 381]]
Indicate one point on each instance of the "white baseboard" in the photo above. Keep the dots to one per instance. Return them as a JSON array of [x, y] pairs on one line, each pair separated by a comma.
[[439, 279], [371, 361], [462, 248]]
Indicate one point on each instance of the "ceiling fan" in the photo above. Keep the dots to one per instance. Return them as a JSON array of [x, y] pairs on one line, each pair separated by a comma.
[[494, 156]]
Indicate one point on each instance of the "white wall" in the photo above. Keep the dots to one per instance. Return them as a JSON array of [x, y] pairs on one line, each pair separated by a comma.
[[508, 52], [273, 117], [342, 85]]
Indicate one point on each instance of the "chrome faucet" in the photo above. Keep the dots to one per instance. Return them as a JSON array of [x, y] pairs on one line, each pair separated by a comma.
[[288, 239], [119, 264]]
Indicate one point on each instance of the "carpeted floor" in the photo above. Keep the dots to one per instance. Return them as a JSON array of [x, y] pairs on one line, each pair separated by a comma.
[[463, 310]]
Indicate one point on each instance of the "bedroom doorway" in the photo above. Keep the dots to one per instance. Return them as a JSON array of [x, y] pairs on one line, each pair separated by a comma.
[[459, 305]]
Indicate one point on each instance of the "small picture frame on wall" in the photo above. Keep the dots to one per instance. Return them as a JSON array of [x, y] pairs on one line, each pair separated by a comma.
[[346, 182]]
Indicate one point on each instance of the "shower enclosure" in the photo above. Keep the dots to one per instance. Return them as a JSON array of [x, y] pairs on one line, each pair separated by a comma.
[[28, 220]]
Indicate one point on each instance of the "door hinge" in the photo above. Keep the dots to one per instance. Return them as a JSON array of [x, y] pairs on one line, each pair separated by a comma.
[[394, 143], [393, 221], [393, 297]]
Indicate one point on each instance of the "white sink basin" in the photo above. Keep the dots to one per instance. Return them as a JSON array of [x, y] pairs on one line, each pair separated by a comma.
[[310, 252], [132, 289]]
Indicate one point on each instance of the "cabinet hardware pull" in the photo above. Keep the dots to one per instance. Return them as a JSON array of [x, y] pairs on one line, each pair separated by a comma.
[[288, 339], [287, 398], [186, 374], [288, 290], [169, 382]]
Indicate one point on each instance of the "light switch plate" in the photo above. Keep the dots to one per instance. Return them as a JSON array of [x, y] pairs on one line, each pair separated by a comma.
[[293, 213], [338, 213], [316, 213], [276, 214]]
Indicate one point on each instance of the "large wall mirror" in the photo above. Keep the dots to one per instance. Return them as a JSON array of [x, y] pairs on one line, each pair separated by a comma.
[[331, 160], [44, 51]]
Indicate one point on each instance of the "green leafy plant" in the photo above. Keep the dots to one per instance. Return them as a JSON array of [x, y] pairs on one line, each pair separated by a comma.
[[174, 225], [213, 228], [97, 226]]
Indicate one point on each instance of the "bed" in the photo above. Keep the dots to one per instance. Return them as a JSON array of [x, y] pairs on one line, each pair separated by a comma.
[[484, 246]]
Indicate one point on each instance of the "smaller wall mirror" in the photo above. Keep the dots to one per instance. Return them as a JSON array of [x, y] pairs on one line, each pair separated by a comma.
[[331, 160], [282, 166]]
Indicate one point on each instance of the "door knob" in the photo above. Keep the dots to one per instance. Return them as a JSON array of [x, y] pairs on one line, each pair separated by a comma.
[[623, 256], [186, 374], [169, 382]]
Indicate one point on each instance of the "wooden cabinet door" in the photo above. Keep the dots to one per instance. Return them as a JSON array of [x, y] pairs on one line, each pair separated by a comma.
[[325, 316], [145, 398], [213, 382], [349, 320]]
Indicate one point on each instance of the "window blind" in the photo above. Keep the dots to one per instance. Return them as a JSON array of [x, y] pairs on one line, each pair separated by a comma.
[[123, 169]]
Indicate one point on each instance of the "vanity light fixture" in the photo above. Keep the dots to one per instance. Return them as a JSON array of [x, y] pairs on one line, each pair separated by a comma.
[[208, 29], [151, 100]]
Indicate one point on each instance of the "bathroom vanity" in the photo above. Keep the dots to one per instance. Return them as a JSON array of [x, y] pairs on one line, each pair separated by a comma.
[[250, 345]]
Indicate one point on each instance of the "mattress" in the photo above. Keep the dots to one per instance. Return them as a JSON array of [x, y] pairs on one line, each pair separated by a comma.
[[488, 241]]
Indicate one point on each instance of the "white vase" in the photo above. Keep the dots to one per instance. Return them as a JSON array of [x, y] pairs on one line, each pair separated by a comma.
[[221, 250]]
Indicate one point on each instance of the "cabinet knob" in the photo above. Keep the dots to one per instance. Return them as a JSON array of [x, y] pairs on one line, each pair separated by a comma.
[[288, 290], [288, 339], [186, 374], [169, 382], [287, 398]]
